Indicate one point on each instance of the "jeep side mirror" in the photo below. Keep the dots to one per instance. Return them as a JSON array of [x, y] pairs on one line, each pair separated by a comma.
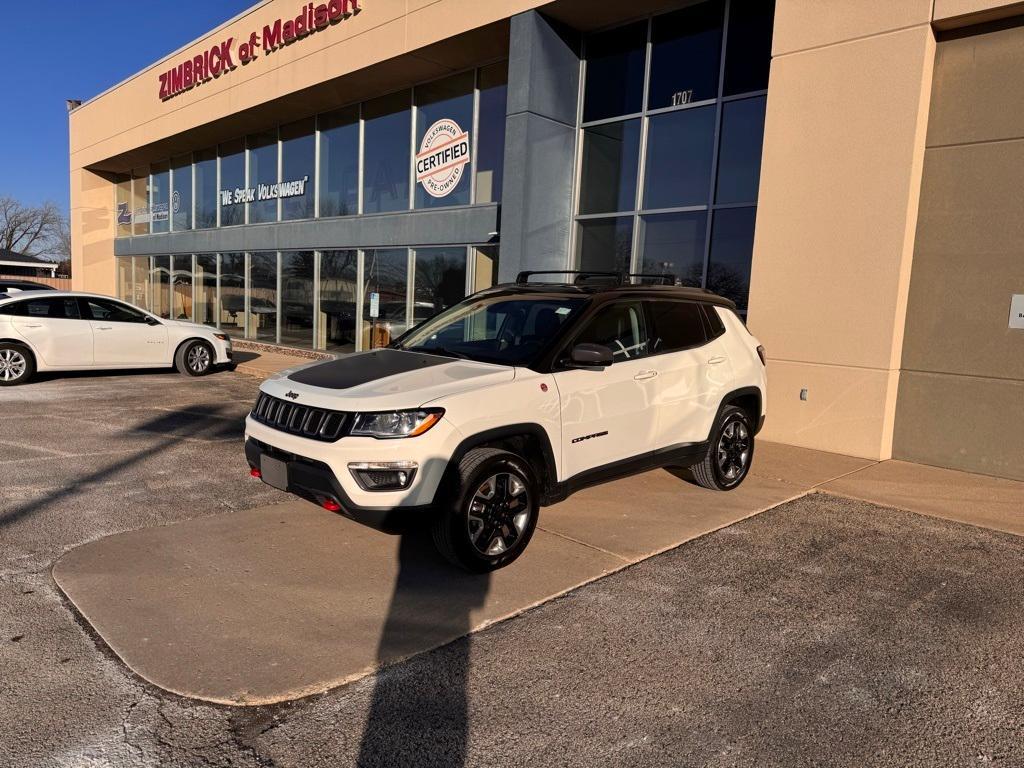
[[591, 356]]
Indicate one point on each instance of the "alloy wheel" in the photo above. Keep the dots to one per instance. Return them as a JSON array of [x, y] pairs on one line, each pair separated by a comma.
[[499, 513], [733, 450], [198, 358], [12, 364]]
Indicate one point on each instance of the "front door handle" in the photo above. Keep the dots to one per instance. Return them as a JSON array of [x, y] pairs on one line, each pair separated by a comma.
[[717, 360], [643, 375], [33, 325], [105, 328]]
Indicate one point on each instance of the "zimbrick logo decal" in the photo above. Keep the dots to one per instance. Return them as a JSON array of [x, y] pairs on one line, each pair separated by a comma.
[[226, 55], [443, 155]]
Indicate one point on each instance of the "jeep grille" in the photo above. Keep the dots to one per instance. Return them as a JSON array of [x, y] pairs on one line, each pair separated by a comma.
[[297, 419]]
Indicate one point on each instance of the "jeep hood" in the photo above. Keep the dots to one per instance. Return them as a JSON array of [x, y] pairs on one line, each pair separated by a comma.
[[383, 379]]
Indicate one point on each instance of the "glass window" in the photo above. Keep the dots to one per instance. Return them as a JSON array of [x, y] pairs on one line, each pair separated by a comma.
[[113, 311], [386, 273], [490, 140], [448, 99], [748, 52], [263, 297], [232, 293], [206, 189], [339, 287], [611, 155], [677, 325], [297, 298], [686, 55], [621, 328], [732, 246], [673, 244], [262, 176], [181, 287], [615, 72], [232, 183], [339, 163], [181, 193], [386, 153], [440, 279], [60, 308], [141, 288], [298, 164], [739, 155], [140, 201], [206, 289], [680, 146], [124, 278], [124, 206], [159, 197], [160, 285], [606, 245]]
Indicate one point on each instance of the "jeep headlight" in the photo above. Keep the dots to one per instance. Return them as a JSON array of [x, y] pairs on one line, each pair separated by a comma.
[[388, 424]]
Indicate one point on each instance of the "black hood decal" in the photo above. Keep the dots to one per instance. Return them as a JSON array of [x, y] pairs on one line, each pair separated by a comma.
[[359, 369]]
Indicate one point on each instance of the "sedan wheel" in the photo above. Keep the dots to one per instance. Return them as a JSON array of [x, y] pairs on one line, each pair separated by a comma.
[[14, 365], [198, 359]]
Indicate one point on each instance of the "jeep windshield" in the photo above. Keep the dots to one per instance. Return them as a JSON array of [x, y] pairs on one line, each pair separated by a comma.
[[508, 330]]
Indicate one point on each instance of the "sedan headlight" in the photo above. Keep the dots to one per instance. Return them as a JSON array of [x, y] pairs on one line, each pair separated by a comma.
[[221, 336], [396, 423]]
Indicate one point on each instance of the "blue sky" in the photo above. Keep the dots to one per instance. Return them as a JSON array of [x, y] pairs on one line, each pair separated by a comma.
[[76, 49]]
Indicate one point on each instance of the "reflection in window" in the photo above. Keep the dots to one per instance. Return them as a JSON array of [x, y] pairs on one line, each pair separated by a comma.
[[205, 170], [140, 201], [124, 278], [448, 99], [339, 163], [232, 178], [159, 197], [749, 50], [611, 153], [490, 141], [679, 151], [605, 245], [141, 291], [440, 280], [386, 273], [339, 286], [232, 293], [485, 268], [160, 287], [181, 287], [297, 298], [732, 246], [686, 54], [206, 289], [386, 157], [298, 163], [124, 206], [615, 72], [739, 155], [263, 297], [262, 171], [673, 244], [181, 193]]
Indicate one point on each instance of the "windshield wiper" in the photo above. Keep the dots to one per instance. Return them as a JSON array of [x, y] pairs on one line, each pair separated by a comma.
[[444, 351]]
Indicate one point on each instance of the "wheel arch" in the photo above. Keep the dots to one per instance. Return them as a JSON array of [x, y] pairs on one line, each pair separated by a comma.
[[183, 342], [749, 399], [24, 345]]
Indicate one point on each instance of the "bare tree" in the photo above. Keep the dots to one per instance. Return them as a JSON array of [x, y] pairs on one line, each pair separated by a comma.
[[31, 230]]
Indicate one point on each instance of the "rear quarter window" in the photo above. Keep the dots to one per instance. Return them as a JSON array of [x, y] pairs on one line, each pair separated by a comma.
[[677, 325], [715, 325]]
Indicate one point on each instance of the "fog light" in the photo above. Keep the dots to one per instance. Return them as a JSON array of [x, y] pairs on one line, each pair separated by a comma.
[[383, 475], [255, 473]]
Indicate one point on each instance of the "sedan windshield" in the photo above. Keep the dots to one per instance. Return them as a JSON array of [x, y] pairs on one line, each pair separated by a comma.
[[494, 329]]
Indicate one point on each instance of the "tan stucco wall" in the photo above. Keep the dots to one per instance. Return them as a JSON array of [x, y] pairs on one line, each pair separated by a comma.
[[843, 149], [957, 12]]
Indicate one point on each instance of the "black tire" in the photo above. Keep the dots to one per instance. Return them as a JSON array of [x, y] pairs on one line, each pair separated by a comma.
[[730, 452], [467, 525], [194, 358], [16, 364]]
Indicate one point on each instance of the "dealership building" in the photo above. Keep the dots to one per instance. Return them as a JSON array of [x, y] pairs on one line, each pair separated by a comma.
[[849, 172]]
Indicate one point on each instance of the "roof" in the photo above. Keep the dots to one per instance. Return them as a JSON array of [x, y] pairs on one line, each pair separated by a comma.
[[24, 258]]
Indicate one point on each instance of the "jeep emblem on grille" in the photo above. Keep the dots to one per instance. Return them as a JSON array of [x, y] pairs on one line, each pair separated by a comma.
[[292, 395]]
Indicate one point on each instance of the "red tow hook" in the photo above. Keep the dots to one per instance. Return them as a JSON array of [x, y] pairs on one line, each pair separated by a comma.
[[255, 473], [331, 505]]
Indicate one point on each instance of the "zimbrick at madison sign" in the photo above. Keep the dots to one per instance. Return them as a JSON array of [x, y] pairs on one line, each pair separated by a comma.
[[228, 54]]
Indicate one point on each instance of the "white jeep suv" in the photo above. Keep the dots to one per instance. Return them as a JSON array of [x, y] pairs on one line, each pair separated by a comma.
[[512, 400]]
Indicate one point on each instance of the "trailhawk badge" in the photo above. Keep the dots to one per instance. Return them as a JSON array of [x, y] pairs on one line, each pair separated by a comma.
[[444, 153]]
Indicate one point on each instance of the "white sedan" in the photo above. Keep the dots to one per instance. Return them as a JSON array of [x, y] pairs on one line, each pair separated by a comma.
[[71, 331]]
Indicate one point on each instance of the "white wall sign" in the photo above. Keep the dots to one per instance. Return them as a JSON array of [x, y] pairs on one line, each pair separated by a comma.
[[374, 305], [1017, 311], [261, 192], [442, 159]]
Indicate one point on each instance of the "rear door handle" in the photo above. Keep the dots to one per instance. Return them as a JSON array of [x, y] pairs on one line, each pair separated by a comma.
[[105, 328], [33, 325], [643, 375], [717, 360]]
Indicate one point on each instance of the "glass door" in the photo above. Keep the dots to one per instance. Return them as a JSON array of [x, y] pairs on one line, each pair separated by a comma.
[[384, 301], [439, 280]]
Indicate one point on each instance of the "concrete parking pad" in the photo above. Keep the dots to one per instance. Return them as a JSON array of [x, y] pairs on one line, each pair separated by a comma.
[[989, 502]]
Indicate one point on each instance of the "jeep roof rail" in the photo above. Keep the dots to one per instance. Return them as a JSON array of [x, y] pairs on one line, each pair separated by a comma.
[[524, 277], [666, 278]]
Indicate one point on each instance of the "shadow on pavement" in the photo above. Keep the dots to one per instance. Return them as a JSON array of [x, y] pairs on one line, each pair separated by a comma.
[[424, 721]]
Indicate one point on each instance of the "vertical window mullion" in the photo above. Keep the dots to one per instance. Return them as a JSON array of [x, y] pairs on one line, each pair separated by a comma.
[[280, 171], [573, 258], [474, 158], [277, 300], [361, 165], [635, 261], [316, 165], [412, 149], [216, 291], [713, 184]]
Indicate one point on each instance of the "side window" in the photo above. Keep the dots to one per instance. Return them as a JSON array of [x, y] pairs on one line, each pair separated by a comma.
[[715, 325], [621, 328], [58, 308], [113, 311], [677, 325]]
